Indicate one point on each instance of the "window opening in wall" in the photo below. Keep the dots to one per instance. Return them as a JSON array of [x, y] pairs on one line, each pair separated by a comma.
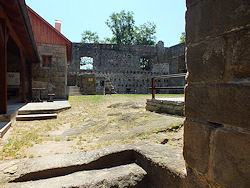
[[86, 63], [46, 61]]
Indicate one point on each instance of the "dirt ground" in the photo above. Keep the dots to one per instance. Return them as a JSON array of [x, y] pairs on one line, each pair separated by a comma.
[[92, 122]]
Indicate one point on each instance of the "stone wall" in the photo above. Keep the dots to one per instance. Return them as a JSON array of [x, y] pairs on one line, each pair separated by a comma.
[[87, 83], [121, 64], [53, 78], [173, 106], [217, 103]]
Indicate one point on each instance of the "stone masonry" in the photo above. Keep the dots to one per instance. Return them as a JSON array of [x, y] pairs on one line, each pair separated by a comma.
[[217, 103], [54, 78], [121, 65]]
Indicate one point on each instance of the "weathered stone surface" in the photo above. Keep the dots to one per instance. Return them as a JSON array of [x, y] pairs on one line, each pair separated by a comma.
[[217, 94], [122, 176], [212, 18], [196, 144], [222, 59], [170, 106], [163, 163], [231, 157], [219, 103]]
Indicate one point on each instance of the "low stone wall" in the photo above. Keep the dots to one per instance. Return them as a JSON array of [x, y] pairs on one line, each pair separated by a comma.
[[169, 106]]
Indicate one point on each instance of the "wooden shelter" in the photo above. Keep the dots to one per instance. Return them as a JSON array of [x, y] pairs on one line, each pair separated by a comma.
[[16, 37]]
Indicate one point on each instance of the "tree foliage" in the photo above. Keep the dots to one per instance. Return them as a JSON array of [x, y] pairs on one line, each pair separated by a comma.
[[122, 26], [124, 31], [145, 34], [183, 37], [90, 37]]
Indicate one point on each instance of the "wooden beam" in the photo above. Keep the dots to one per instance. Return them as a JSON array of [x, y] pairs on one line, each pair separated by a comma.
[[23, 76], [12, 32], [153, 88], [3, 69]]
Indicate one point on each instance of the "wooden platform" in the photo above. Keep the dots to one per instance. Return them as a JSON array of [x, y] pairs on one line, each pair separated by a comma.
[[4, 127], [31, 117], [31, 111], [44, 107]]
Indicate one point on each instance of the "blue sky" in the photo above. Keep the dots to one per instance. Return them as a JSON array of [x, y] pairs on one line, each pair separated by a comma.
[[80, 15]]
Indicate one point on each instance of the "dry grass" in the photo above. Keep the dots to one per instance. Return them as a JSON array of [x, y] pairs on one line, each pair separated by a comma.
[[99, 122]]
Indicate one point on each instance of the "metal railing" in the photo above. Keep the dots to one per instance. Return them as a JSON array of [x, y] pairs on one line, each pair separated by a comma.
[[168, 87]]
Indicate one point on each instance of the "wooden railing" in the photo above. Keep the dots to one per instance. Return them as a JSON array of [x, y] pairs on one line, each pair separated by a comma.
[[168, 87]]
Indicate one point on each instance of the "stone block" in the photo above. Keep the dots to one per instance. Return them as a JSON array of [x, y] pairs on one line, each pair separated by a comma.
[[205, 61], [221, 59], [219, 103], [196, 144], [207, 20], [231, 158]]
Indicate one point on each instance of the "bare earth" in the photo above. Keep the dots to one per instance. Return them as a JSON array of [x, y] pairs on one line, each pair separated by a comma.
[[93, 122]]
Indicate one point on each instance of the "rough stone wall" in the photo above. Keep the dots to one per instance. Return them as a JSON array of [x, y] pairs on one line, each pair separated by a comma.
[[176, 59], [87, 83], [121, 64], [54, 78], [217, 94]]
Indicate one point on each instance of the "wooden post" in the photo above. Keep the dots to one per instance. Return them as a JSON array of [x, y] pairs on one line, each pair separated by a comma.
[[3, 67], [23, 75], [153, 88]]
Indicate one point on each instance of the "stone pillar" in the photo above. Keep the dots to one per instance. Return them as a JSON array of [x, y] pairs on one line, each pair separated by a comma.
[[217, 94]]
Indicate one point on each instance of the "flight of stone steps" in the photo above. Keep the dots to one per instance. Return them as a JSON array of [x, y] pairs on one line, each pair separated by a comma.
[[109, 88], [74, 90]]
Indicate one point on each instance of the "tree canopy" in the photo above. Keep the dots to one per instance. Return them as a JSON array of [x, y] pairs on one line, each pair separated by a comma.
[[90, 37], [124, 31]]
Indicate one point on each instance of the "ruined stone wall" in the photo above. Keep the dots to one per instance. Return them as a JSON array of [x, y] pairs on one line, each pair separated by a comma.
[[121, 64], [216, 129], [53, 78]]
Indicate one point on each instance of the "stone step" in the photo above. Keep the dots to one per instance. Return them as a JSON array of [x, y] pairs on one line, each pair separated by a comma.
[[31, 117], [130, 175], [4, 126], [75, 93], [74, 90]]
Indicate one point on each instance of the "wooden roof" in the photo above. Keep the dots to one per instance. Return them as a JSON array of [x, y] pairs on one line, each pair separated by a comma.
[[19, 26], [46, 33]]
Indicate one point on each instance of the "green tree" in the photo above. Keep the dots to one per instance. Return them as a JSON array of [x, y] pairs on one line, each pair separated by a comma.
[[90, 37], [124, 30], [145, 34], [183, 37], [122, 26]]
